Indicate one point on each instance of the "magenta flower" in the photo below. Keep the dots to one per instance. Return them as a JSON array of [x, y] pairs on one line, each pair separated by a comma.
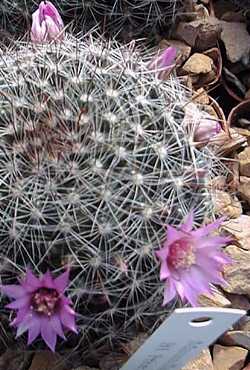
[[164, 62], [202, 126], [207, 129], [192, 260], [47, 24], [42, 308]]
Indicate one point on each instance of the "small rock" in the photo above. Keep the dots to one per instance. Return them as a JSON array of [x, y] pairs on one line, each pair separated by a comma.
[[228, 358], [243, 132], [244, 158], [236, 40], [215, 300], [200, 96], [244, 324], [198, 63], [236, 338], [240, 302], [85, 368], [244, 191], [240, 229], [226, 204], [202, 362], [231, 16], [15, 360], [237, 274], [46, 360], [201, 34]]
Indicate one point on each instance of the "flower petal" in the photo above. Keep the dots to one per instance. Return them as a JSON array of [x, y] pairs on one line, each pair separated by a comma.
[[68, 319], [168, 56], [207, 229], [38, 29], [48, 334], [55, 322], [13, 291], [51, 11], [172, 235], [31, 282], [24, 325], [188, 223], [47, 280], [164, 271], [20, 303], [21, 315], [213, 242], [169, 292], [34, 329], [52, 30], [61, 282]]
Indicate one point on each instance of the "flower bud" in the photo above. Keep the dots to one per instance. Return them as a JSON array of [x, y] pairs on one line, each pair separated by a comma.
[[164, 62], [47, 24]]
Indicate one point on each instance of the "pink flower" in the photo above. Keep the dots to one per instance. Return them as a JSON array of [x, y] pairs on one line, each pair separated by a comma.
[[42, 308], [164, 62], [192, 260], [202, 126], [207, 128], [47, 24]]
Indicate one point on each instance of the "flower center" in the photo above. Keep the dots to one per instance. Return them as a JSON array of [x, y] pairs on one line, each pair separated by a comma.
[[181, 254], [45, 301]]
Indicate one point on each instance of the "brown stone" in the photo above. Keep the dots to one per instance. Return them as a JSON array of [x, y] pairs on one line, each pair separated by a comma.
[[15, 360], [244, 158], [200, 96], [46, 360], [244, 324], [239, 301], [236, 40], [85, 368], [237, 274], [228, 358], [202, 362], [226, 204], [217, 299], [202, 33], [237, 338], [244, 191], [198, 63], [239, 228]]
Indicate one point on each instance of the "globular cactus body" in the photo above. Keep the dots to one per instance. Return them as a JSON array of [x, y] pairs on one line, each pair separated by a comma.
[[94, 162], [126, 19]]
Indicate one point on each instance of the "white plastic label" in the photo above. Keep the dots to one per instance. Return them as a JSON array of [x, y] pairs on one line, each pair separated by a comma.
[[182, 337]]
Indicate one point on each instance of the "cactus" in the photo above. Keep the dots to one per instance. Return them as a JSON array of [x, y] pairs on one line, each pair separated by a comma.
[[94, 162], [125, 18]]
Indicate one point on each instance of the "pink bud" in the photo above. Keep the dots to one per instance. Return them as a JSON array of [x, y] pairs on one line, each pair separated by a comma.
[[164, 61], [200, 124], [47, 24], [206, 129]]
